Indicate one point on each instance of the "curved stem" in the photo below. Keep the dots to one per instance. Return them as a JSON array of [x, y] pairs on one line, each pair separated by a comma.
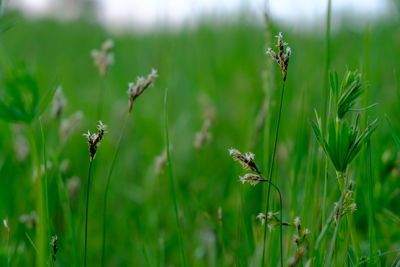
[[87, 210], [103, 249], [271, 171]]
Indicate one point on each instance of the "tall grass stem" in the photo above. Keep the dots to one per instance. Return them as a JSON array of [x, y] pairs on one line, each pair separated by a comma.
[[107, 188], [271, 171], [172, 183], [87, 210]]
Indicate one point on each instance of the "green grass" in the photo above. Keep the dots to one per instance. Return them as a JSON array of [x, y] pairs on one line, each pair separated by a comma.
[[225, 60]]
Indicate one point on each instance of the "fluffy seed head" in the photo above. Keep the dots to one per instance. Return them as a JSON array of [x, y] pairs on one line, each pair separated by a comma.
[[261, 217], [141, 84], [5, 224], [94, 139], [54, 246], [59, 102], [252, 179], [246, 160], [103, 58], [281, 57]]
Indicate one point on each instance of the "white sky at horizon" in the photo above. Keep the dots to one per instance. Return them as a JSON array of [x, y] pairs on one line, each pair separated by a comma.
[[150, 12]]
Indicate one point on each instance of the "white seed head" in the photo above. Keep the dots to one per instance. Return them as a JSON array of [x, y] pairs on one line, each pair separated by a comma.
[[233, 151], [5, 223], [297, 221], [154, 73], [261, 217], [107, 45]]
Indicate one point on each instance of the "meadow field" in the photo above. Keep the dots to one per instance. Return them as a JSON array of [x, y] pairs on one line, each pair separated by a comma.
[[164, 170]]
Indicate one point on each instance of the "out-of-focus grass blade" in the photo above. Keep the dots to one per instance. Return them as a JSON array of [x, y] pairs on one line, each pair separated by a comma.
[[394, 132]]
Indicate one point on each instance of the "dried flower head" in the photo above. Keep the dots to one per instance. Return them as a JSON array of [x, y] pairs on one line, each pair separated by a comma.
[[246, 160], [252, 179], [59, 102], [282, 58], [54, 246], [94, 139], [103, 58], [141, 84]]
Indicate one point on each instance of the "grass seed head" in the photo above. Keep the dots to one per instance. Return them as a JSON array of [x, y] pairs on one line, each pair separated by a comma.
[[141, 84], [5, 224], [95, 139], [252, 179], [59, 103], [282, 57], [54, 246], [246, 160], [103, 58]]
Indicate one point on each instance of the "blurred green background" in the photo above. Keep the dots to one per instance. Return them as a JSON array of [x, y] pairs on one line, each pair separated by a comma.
[[220, 60]]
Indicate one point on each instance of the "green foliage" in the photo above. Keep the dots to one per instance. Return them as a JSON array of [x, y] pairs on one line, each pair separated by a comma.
[[344, 142], [347, 92], [20, 97], [222, 59]]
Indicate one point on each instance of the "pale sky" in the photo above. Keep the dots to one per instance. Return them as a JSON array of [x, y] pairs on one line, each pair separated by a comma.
[[150, 12]]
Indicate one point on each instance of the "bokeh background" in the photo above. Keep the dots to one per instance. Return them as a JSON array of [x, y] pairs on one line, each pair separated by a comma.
[[211, 57]]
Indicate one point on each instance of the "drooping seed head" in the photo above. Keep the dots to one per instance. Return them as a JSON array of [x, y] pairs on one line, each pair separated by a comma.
[[247, 160], [141, 84], [252, 179]]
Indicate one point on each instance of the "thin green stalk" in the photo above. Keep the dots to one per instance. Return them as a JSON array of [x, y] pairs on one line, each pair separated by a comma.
[[100, 102], [271, 171], [328, 105], [64, 198], [378, 256], [46, 194], [370, 206], [41, 229], [280, 218], [87, 210], [108, 188], [327, 224], [342, 180], [8, 247], [172, 183], [333, 242]]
